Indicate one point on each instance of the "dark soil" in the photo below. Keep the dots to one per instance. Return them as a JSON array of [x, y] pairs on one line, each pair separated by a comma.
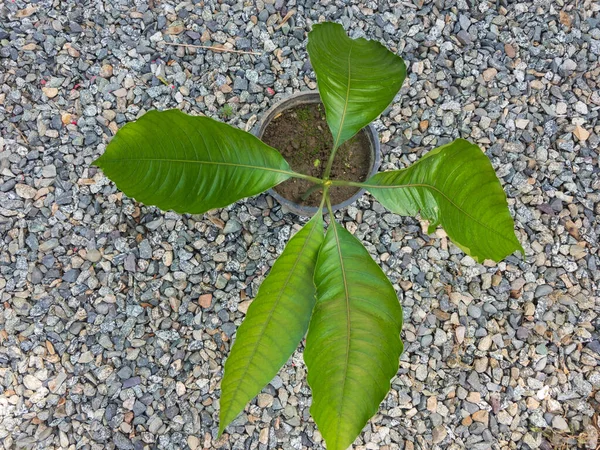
[[302, 136]]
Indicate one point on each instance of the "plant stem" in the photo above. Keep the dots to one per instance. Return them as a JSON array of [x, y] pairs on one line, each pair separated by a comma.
[[324, 196], [329, 164], [315, 180]]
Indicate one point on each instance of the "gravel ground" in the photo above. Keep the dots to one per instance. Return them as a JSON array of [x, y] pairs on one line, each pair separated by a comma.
[[115, 318]]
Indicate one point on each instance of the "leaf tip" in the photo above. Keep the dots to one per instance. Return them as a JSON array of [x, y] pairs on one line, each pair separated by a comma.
[[520, 249], [223, 422]]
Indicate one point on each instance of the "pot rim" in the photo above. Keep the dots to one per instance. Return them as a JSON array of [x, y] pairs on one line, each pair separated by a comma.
[[314, 97]]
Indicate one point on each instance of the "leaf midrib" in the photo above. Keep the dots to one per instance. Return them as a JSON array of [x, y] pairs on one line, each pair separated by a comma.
[[192, 161], [346, 102], [348, 326], [272, 311], [429, 186]]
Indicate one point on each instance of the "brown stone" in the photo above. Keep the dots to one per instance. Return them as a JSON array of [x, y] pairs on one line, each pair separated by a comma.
[[106, 71], [175, 29], [536, 84], [581, 133], [432, 404], [205, 300], [243, 306], [489, 74], [26, 12], [50, 92], [510, 51], [565, 18], [481, 416], [66, 118], [474, 397], [72, 50]]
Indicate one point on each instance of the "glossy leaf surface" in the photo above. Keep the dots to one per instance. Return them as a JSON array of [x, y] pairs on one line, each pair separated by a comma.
[[353, 343], [189, 164], [276, 322], [357, 78], [454, 186]]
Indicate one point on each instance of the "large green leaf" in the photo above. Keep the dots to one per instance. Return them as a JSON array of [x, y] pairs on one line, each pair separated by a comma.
[[454, 186], [353, 342], [357, 78], [275, 324], [189, 164]]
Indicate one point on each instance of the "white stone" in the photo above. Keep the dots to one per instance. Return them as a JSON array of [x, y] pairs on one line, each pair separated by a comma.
[[561, 108], [25, 191], [32, 382], [485, 343], [559, 423], [521, 123], [264, 400], [460, 334], [581, 107], [193, 442]]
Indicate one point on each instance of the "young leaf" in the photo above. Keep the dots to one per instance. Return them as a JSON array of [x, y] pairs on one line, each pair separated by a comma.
[[189, 164], [275, 324], [454, 186], [353, 342], [357, 78]]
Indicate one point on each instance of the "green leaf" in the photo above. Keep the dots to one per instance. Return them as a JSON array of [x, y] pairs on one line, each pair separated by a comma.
[[275, 324], [353, 342], [357, 78], [189, 164], [454, 186]]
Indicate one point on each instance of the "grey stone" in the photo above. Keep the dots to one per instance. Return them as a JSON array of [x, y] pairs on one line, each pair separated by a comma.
[[474, 311], [155, 224], [130, 264], [464, 37], [71, 275], [48, 245], [543, 290], [240, 84], [121, 442], [131, 382], [145, 249], [232, 226]]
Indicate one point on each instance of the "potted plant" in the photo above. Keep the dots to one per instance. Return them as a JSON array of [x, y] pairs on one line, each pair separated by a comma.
[[297, 127], [324, 285]]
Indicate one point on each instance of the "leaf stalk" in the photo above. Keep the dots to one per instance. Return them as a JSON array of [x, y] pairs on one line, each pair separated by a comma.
[[347, 183], [314, 180]]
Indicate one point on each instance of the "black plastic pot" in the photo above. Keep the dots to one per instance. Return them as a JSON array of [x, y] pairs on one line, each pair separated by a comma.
[[303, 98]]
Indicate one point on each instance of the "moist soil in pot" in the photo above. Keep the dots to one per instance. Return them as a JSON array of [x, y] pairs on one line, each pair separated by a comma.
[[302, 136]]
